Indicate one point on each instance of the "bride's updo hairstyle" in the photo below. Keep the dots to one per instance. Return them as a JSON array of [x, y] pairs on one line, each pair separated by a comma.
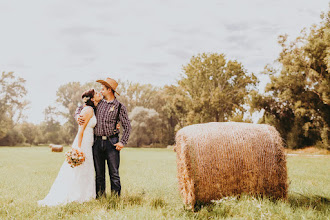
[[87, 97]]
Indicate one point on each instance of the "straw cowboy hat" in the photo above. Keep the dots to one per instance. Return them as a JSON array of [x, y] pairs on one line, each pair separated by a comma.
[[111, 83]]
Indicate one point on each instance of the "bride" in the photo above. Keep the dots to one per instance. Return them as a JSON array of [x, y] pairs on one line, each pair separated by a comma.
[[78, 184]]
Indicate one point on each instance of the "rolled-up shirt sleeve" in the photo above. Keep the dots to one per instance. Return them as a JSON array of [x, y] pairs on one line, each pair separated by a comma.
[[125, 122]]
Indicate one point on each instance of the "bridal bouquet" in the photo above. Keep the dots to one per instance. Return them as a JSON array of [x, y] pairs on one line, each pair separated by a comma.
[[74, 157]]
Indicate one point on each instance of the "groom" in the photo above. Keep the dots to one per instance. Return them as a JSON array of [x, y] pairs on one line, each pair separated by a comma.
[[109, 111]]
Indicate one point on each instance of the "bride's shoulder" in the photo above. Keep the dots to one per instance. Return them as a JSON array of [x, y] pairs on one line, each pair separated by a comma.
[[88, 107], [87, 110]]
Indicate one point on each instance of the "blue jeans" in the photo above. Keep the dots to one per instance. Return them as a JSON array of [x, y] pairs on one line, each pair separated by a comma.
[[104, 150]]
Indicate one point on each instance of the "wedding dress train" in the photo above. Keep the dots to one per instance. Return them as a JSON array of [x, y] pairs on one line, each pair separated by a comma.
[[75, 184]]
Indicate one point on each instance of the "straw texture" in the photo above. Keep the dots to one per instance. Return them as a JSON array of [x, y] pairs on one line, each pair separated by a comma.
[[221, 159], [56, 148]]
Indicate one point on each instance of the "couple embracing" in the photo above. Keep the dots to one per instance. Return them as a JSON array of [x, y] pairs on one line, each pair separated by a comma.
[[98, 138]]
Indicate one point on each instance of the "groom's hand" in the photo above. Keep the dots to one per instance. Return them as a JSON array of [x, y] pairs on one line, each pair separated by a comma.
[[80, 120], [119, 146]]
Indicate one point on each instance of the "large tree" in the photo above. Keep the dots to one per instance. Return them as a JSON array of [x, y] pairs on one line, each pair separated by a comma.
[[145, 126], [297, 100], [12, 105], [136, 94], [173, 105], [50, 127], [30, 132], [69, 98], [215, 86]]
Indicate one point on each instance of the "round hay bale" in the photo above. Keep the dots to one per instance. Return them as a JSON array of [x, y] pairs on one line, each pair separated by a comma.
[[220, 159], [56, 148]]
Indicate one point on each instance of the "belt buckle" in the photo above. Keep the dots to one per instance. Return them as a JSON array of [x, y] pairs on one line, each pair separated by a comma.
[[104, 138]]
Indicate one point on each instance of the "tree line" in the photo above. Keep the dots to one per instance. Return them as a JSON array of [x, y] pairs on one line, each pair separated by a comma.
[[210, 88]]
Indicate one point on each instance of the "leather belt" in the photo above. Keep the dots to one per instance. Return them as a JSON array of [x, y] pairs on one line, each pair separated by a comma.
[[106, 137]]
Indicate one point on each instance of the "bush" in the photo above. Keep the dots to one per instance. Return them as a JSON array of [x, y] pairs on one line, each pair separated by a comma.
[[12, 138]]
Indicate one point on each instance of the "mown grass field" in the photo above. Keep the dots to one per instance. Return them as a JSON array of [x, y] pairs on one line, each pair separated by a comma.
[[150, 191]]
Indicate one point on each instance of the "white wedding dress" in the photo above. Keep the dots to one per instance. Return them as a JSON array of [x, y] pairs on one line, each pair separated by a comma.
[[78, 183]]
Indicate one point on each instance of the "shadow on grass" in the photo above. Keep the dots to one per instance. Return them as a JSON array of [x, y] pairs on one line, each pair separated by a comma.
[[115, 202], [226, 207], [308, 201], [203, 210]]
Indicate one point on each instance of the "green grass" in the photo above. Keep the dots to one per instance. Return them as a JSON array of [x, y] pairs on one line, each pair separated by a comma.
[[149, 190]]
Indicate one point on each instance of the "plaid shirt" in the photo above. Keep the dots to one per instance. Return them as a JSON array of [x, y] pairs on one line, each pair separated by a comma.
[[106, 114]]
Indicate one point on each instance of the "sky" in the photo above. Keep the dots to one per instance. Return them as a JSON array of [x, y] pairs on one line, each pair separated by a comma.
[[51, 43]]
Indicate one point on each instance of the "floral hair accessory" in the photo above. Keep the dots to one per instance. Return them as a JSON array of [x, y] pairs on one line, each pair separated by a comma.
[[85, 99]]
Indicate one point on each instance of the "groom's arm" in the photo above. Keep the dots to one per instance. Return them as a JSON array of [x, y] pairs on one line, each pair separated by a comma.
[[123, 116], [78, 110]]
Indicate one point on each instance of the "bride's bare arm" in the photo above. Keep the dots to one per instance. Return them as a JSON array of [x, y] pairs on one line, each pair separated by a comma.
[[87, 114]]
